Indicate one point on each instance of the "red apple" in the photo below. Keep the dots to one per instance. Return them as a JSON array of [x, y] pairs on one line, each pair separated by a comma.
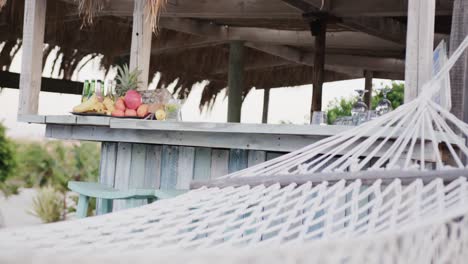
[[142, 110], [132, 99], [130, 112]]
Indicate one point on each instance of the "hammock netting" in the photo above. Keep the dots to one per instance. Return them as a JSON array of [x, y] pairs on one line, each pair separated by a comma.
[[345, 221]]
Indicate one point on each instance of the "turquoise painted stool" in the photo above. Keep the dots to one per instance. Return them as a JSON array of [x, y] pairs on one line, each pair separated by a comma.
[[107, 195]]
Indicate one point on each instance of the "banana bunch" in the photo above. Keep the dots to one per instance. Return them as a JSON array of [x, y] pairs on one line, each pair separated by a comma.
[[93, 105]]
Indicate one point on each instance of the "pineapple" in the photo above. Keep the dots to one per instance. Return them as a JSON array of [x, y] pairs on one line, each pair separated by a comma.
[[126, 80]]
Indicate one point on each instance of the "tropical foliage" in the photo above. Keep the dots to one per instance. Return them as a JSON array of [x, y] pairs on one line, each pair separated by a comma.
[[342, 107], [48, 166]]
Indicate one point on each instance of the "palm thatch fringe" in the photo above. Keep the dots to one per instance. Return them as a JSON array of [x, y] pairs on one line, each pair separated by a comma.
[[109, 38], [88, 10], [154, 8]]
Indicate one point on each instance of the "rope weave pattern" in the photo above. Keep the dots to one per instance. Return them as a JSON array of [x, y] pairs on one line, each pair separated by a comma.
[[271, 217]]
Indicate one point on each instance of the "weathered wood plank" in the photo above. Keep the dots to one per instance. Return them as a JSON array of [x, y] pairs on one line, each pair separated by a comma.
[[202, 167], [315, 130], [153, 166], [169, 166], [266, 105], [108, 163], [185, 167], [319, 31], [36, 119], [419, 46], [31, 65], [256, 157], [238, 160], [368, 75], [273, 155], [266, 142], [235, 81], [107, 167], [219, 163], [60, 119], [122, 171], [137, 173], [93, 120], [137, 167], [141, 42]]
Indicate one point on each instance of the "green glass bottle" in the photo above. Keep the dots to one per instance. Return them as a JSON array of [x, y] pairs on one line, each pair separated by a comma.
[[84, 95]]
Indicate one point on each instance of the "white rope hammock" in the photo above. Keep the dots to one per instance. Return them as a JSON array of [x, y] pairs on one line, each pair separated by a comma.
[[423, 221]]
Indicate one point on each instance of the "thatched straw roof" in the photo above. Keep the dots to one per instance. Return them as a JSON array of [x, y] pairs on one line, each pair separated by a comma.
[[192, 58]]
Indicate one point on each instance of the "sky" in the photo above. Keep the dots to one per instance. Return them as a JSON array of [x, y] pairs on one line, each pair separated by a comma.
[[291, 104]]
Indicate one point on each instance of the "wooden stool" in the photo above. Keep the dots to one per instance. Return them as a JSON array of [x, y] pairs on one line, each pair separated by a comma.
[[108, 194]]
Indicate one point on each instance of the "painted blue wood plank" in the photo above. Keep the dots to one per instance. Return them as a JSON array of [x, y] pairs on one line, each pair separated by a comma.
[[238, 160], [169, 162], [153, 166], [256, 157], [122, 171], [137, 167], [137, 172], [185, 167], [202, 166], [107, 168], [219, 162], [273, 155]]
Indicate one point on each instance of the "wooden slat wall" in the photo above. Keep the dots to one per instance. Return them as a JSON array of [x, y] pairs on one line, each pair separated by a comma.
[[132, 165]]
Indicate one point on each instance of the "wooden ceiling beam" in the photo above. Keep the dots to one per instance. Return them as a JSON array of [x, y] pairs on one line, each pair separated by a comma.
[[216, 9], [340, 63], [343, 40], [347, 8], [183, 45], [384, 28], [269, 9], [11, 80]]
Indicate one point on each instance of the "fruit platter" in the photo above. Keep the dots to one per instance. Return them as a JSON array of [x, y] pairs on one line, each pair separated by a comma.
[[120, 98]]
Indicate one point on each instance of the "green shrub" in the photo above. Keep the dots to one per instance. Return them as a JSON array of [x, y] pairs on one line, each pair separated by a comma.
[[7, 156], [48, 205], [55, 164]]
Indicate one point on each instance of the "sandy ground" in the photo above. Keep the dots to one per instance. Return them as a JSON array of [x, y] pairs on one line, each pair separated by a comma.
[[15, 209]]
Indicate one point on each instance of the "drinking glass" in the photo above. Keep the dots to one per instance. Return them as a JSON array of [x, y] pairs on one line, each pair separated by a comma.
[[359, 110], [384, 106]]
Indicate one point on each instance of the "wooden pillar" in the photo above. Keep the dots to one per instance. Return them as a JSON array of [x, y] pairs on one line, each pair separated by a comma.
[[141, 42], [319, 29], [419, 46], [31, 67], [459, 73], [368, 75], [235, 81], [266, 104]]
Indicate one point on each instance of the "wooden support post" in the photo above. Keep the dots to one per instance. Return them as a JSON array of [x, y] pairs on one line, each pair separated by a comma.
[[31, 67], [459, 73], [266, 105], [236, 81], [141, 43], [318, 28], [368, 75], [419, 46]]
